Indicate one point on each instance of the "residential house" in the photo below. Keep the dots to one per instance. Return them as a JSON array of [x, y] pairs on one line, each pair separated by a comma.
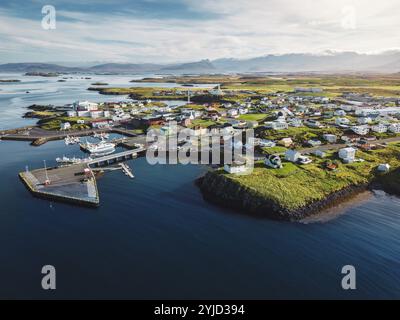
[[84, 106], [235, 168], [233, 113], [295, 122], [364, 120], [340, 113], [292, 155], [286, 142], [71, 113], [101, 124], [65, 126], [313, 123], [385, 167], [347, 154], [394, 127], [360, 130], [342, 121], [267, 143], [331, 138], [314, 143], [379, 128], [276, 125], [320, 153]]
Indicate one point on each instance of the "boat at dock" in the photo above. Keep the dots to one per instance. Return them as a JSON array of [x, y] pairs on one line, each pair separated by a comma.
[[102, 135], [71, 140], [67, 161], [102, 148]]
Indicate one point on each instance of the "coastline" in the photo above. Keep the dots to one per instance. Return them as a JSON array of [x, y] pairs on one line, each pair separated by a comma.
[[225, 192]]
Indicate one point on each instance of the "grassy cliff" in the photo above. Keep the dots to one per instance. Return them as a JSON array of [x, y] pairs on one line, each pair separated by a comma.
[[296, 191]]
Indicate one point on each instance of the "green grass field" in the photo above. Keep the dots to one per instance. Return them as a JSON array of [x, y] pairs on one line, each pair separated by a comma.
[[295, 186]]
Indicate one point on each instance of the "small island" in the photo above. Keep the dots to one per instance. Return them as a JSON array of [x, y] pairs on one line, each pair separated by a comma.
[[99, 84], [42, 74], [9, 80]]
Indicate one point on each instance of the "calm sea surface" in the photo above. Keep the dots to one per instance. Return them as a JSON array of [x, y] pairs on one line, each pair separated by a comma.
[[155, 237]]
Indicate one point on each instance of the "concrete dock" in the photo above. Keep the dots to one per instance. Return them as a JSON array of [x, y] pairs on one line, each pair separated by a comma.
[[74, 184]]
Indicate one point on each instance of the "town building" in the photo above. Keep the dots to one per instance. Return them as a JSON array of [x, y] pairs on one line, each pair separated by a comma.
[[347, 154]]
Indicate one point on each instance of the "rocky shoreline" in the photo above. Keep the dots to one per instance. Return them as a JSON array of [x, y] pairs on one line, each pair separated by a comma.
[[224, 192]]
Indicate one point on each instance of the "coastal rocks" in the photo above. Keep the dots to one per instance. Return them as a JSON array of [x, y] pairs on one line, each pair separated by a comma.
[[220, 190]]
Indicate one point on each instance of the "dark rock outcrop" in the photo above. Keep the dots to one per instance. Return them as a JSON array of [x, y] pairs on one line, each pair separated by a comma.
[[220, 190]]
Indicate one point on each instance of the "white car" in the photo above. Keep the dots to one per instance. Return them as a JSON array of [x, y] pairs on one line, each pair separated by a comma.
[[267, 144], [304, 160]]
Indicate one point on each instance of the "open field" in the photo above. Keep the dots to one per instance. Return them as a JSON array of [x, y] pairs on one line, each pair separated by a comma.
[[333, 85]]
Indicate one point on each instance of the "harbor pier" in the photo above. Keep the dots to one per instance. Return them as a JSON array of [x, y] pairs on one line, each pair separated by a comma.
[[75, 183]]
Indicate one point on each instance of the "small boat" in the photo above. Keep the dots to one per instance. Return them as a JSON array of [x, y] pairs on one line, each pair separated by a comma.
[[102, 148], [102, 135], [71, 140], [66, 161]]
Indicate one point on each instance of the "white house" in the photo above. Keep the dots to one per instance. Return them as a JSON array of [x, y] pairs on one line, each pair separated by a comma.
[[313, 123], [348, 155], [364, 120], [331, 138], [394, 127], [342, 121], [65, 126], [83, 113], [295, 122], [266, 143], [235, 168], [85, 106], [286, 142], [243, 110], [360, 130], [380, 128], [71, 113], [292, 155], [367, 112], [277, 125], [385, 167], [100, 124], [314, 143], [233, 113], [320, 153], [96, 114], [340, 113]]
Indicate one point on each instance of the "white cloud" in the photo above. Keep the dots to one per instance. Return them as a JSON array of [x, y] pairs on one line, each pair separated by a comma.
[[242, 29]]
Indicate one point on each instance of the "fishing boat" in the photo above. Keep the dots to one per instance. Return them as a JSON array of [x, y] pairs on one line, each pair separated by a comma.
[[102, 148], [71, 140], [66, 161], [102, 135]]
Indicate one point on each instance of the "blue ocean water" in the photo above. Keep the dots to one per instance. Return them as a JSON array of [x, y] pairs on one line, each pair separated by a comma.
[[155, 237]]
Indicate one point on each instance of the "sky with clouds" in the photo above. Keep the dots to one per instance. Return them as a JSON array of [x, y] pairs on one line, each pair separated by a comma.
[[190, 30]]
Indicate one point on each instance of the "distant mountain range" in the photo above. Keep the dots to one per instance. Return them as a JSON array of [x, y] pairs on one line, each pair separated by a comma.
[[330, 62]]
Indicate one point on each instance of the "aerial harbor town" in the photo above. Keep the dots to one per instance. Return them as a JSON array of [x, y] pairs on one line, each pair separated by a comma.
[[177, 150], [313, 145]]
